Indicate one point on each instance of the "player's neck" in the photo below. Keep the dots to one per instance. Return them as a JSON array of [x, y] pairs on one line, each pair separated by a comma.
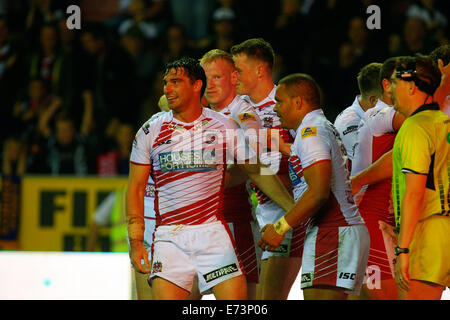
[[364, 103], [223, 104], [386, 98], [189, 114], [262, 91], [417, 103]]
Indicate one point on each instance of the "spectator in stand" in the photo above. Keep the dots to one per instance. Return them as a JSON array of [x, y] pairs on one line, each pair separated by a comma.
[[415, 39], [51, 64], [150, 25], [435, 20], [9, 78], [193, 16], [41, 12], [288, 24], [112, 77], [27, 110], [14, 156], [223, 35], [177, 45], [116, 160], [145, 62], [66, 152]]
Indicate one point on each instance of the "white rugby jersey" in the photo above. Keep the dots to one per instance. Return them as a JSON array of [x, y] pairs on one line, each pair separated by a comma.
[[188, 162], [237, 205], [243, 114], [269, 120], [347, 123], [317, 140], [150, 191], [376, 136]]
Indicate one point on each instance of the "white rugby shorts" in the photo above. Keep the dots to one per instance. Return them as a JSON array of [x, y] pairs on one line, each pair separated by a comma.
[[292, 244], [183, 251], [335, 256]]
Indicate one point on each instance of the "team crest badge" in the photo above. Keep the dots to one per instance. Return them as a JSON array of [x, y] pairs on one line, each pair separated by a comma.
[[157, 267], [268, 122]]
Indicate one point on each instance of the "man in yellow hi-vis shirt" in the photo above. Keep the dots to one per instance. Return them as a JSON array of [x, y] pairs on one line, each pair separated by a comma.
[[421, 166]]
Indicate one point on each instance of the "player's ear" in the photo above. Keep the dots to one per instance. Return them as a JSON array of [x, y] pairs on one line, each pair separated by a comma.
[[234, 78], [198, 85], [298, 102]]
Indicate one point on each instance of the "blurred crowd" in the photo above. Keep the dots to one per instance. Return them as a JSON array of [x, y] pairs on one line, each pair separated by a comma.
[[71, 100]]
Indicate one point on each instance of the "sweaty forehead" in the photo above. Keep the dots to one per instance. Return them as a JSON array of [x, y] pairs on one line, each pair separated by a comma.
[[176, 72]]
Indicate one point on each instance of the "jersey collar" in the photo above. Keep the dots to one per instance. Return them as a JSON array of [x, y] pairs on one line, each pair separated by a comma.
[[428, 106]]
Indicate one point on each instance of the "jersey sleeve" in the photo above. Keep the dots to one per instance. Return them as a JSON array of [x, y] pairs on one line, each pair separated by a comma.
[[382, 122], [312, 146], [349, 135], [238, 149], [140, 150]]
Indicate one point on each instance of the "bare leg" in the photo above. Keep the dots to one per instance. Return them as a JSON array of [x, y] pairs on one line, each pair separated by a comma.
[[251, 291], [388, 291], [277, 276], [166, 290], [195, 293], [231, 289], [143, 290], [324, 293], [421, 290]]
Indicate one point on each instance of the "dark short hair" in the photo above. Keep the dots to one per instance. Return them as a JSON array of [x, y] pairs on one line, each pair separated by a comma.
[[303, 85], [443, 53], [368, 78], [387, 69], [193, 70], [256, 48], [421, 70]]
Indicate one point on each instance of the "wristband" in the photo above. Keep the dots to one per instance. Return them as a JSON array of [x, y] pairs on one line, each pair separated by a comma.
[[136, 228], [281, 226]]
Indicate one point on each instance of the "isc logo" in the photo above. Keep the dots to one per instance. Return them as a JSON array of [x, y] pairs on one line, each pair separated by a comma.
[[347, 275]]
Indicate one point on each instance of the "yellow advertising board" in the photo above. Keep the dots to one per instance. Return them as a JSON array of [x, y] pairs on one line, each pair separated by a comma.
[[56, 212]]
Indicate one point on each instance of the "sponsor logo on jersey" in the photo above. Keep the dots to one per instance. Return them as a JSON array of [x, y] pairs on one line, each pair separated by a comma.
[[145, 128], [176, 127], [309, 132], [293, 175], [194, 160], [306, 277], [448, 137], [135, 142], [210, 139], [156, 267], [231, 268], [347, 275], [282, 248], [246, 116], [199, 126], [168, 141], [350, 129], [150, 190], [268, 122]]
